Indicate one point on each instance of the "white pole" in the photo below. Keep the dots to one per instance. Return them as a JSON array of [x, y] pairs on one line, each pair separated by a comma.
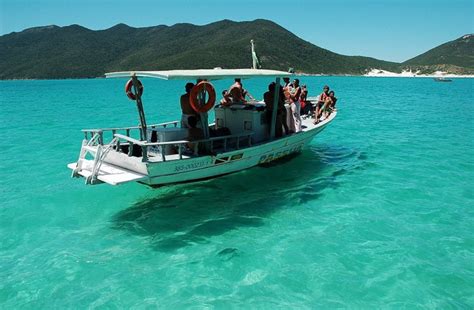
[[254, 58]]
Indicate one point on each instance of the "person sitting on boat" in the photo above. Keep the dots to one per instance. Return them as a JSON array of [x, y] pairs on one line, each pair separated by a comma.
[[186, 108], [226, 99], [268, 98], [322, 98], [236, 92], [295, 106], [333, 98], [245, 92], [328, 106], [194, 133]]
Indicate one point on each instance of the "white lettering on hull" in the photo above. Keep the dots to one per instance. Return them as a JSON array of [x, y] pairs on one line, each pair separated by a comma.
[[276, 155]]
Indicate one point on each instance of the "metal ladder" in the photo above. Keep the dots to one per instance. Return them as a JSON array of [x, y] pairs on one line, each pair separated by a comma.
[[100, 155], [85, 148]]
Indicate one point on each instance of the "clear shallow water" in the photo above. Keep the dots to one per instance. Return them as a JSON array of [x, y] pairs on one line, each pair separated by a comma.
[[378, 211]]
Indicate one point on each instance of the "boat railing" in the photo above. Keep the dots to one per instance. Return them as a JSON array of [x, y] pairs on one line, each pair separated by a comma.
[[181, 145], [126, 130]]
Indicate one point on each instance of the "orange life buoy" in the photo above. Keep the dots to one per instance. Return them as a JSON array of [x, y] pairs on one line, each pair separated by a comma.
[[129, 92], [195, 93]]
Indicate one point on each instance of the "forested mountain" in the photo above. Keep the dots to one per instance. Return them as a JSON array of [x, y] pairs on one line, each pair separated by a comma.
[[74, 51], [455, 56]]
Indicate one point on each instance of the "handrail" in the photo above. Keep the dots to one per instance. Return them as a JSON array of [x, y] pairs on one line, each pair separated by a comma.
[[175, 123], [180, 143], [145, 143]]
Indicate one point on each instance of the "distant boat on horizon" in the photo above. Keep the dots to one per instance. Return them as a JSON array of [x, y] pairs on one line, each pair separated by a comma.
[[442, 79]]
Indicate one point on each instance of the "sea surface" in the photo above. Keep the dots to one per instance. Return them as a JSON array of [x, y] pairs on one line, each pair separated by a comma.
[[377, 212]]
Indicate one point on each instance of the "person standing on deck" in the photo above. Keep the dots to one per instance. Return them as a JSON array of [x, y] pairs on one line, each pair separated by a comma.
[[287, 83], [305, 106], [186, 108], [295, 105], [287, 87], [268, 98]]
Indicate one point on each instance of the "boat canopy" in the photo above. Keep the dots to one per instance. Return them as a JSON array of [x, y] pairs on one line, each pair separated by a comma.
[[204, 74]]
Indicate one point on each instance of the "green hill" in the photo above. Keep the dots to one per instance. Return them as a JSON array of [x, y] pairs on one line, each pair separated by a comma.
[[74, 51], [455, 56]]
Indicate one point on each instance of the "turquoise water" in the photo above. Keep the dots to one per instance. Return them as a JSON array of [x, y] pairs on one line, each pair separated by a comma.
[[377, 212]]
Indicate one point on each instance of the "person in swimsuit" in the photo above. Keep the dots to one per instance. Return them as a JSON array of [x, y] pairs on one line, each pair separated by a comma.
[[186, 108], [328, 106], [245, 92], [305, 106], [236, 92], [322, 98], [194, 133]]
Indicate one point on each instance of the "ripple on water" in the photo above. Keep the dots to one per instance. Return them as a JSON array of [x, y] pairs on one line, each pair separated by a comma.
[[376, 212]]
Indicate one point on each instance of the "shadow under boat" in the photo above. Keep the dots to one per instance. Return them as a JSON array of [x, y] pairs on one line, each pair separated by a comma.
[[182, 215]]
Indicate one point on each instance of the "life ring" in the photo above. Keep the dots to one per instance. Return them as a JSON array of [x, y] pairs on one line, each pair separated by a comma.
[[196, 91], [129, 92]]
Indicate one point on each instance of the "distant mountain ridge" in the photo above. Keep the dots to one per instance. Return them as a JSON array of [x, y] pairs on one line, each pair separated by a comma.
[[456, 56], [77, 52]]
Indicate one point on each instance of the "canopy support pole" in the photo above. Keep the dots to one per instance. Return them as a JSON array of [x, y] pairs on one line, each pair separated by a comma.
[[141, 112], [276, 97]]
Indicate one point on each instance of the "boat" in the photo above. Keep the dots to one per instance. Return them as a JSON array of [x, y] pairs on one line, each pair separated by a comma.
[[240, 137], [442, 79]]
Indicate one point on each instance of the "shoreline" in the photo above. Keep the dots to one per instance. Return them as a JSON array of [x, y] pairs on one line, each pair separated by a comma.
[[380, 74], [410, 74]]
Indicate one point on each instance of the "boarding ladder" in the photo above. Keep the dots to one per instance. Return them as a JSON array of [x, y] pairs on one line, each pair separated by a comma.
[[99, 153]]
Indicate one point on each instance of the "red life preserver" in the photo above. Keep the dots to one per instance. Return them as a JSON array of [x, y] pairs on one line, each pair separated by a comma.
[[128, 89], [195, 92]]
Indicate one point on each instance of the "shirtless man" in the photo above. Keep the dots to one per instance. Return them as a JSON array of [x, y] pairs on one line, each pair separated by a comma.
[[186, 108], [245, 92], [194, 134], [328, 106], [236, 92]]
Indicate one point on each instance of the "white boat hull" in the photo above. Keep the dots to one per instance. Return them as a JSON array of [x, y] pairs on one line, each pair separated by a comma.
[[203, 167], [193, 169]]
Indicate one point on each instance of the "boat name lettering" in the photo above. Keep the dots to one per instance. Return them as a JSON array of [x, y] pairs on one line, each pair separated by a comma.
[[190, 166], [273, 156]]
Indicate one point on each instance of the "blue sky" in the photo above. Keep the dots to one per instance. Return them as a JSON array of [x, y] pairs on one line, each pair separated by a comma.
[[394, 30]]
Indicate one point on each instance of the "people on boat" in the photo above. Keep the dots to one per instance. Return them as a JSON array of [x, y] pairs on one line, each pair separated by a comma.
[[236, 92], [331, 104], [286, 81], [332, 95], [322, 98], [305, 105], [186, 108], [226, 99], [194, 133], [295, 106], [327, 107], [245, 93], [268, 98]]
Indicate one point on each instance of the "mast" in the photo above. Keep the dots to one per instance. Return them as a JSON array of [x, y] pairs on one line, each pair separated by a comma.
[[141, 112], [255, 62]]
